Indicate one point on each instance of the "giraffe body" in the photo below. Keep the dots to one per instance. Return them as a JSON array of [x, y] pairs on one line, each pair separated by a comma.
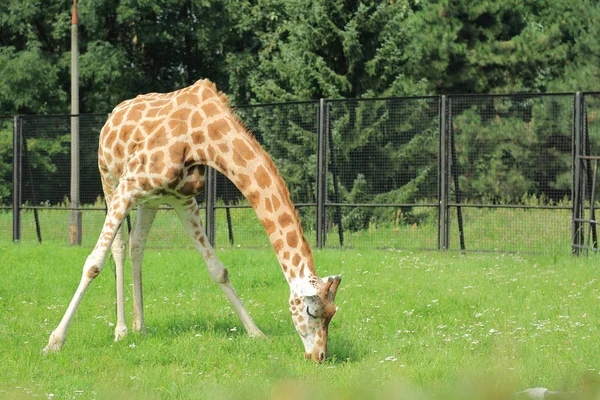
[[152, 151]]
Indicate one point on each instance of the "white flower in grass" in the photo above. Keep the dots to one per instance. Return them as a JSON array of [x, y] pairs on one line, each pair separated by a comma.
[[132, 346]]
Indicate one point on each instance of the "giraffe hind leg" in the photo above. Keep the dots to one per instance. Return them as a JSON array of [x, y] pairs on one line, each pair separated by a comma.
[[118, 251], [137, 243], [190, 217]]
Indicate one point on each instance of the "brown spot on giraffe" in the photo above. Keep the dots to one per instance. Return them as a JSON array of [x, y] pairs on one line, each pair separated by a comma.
[[190, 98], [136, 112], [144, 183], [278, 245], [268, 225], [198, 137], [207, 94], [285, 220], [196, 119], [118, 150], [292, 239], [152, 112], [254, 199], [275, 201], [93, 272], [243, 182], [132, 147], [125, 132], [210, 109], [181, 115], [268, 205], [157, 163], [242, 150], [149, 125], [117, 117], [178, 128], [262, 177], [173, 174], [224, 147], [179, 151], [296, 260], [218, 129], [221, 164], [143, 159], [211, 152], [158, 139], [201, 155], [110, 138]]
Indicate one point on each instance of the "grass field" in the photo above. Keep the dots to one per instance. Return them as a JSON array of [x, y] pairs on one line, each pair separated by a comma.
[[424, 325], [504, 229]]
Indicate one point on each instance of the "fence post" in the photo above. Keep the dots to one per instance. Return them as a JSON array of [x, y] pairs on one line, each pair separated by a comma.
[[17, 179], [211, 197], [443, 178], [75, 218], [321, 173], [578, 201]]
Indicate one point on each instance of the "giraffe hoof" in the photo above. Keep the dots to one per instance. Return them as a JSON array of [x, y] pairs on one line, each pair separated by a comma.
[[50, 349], [120, 333], [257, 334], [138, 327], [54, 345]]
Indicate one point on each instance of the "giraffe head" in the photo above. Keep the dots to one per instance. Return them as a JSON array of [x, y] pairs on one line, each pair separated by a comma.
[[312, 310]]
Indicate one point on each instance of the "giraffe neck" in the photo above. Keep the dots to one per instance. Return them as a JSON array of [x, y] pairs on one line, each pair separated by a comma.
[[236, 153], [270, 199]]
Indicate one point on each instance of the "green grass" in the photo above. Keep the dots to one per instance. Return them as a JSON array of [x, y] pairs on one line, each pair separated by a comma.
[[507, 230], [410, 324]]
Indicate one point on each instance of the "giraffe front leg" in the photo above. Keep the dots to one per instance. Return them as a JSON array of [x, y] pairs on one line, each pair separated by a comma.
[[92, 267], [190, 217]]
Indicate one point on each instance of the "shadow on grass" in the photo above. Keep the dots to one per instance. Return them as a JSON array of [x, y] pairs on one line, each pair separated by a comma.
[[175, 326], [342, 351]]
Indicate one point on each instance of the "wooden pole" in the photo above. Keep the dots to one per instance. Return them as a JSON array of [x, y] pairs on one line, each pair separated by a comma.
[[75, 214]]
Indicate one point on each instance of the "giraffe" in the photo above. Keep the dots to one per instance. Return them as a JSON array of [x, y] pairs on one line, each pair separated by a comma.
[[153, 150]]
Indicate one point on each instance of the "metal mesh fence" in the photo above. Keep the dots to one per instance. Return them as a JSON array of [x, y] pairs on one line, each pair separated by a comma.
[[493, 173], [6, 177], [288, 133], [511, 172], [383, 173], [46, 171], [587, 158]]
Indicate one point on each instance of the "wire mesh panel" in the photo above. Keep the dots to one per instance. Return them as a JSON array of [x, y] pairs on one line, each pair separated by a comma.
[[46, 174], [511, 172], [288, 133], [6, 178], [587, 158], [383, 173]]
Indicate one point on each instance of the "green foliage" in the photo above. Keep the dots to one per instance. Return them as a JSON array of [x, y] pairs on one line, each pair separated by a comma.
[[281, 50]]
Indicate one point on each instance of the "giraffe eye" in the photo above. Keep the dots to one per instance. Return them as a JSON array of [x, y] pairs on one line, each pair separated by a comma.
[[308, 312]]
